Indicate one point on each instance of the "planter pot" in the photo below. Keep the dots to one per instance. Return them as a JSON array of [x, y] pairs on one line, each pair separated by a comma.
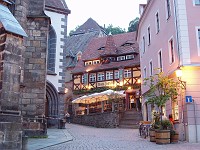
[[162, 136], [152, 134], [174, 138]]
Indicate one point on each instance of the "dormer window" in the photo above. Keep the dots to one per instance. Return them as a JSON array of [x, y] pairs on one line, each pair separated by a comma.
[[129, 57], [102, 48], [120, 58], [78, 55], [87, 63], [96, 62]]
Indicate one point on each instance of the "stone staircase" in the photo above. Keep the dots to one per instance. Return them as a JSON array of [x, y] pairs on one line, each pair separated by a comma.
[[130, 119]]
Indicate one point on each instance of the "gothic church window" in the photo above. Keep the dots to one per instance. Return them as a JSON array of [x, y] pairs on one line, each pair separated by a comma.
[[51, 49]]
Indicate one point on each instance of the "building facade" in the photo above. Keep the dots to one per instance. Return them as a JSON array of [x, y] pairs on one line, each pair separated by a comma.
[[168, 37], [76, 44], [110, 62]]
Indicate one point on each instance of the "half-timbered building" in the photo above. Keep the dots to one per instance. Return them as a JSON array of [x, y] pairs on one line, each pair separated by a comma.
[[110, 62]]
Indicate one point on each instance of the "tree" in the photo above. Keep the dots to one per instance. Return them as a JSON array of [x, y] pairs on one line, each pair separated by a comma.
[[133, 25], [114, 30], [161, 89], [72, 31]]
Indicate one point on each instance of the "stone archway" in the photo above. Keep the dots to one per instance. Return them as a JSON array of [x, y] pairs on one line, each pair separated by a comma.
[[51, 105]]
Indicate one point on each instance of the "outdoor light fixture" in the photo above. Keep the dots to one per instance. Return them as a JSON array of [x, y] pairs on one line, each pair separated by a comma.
[[138, 81], [179, 74], [66, 90]]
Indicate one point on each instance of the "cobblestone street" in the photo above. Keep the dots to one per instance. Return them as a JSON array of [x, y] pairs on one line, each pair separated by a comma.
[[90, 138]]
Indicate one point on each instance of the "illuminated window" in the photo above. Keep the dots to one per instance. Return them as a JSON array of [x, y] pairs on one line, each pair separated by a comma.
[[175, 110]]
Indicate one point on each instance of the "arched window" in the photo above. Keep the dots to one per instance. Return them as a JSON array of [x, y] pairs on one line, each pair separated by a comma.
[[51, 49]]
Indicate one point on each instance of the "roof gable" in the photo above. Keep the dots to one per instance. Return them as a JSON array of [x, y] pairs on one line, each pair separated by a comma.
[[89, 26]]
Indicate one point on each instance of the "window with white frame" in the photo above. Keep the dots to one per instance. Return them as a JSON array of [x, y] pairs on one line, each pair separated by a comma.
[[129, 56], [100, 76], [143, 44], [96, 62], [150, 68], [109, 75], [127, 73], [171, 51], [157, 23], [145, 73], [198, 39], [197, 2], [168, 9], [84, 78], [160, 60], [116, 74], [87, 63], [120, 58], [149, 35], [92, 77]]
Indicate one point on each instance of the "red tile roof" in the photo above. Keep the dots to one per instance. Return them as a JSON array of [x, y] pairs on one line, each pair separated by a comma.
[[115, 43], [118, 40]]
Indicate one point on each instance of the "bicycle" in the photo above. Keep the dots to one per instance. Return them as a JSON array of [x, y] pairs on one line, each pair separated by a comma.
[[144, 129]]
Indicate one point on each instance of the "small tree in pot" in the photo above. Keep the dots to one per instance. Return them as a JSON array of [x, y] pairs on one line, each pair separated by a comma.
[[161, 89]]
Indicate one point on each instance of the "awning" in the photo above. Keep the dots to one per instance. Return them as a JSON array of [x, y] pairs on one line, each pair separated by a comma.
[[9, 22], [96, 97]]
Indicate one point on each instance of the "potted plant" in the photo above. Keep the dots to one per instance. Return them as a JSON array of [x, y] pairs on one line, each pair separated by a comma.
[[161, 89], [174, 136], [155, 125]]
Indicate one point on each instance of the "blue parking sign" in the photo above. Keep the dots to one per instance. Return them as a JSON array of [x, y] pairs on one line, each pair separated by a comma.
[[188, 99]]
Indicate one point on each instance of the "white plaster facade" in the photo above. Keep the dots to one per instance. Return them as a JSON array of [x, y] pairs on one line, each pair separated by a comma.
[[56, 23]]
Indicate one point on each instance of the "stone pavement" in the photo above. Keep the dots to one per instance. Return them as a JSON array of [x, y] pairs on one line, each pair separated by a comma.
[[55, 137], [78, 137]]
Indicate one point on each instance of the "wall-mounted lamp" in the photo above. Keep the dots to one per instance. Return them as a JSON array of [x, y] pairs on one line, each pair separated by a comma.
[[138, 81], [179, 74]]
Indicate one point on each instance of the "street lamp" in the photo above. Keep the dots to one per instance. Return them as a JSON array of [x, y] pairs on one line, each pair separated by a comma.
[[179, 74]]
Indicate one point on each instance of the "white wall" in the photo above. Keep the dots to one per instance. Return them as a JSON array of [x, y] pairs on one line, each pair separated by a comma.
[[57, 23]]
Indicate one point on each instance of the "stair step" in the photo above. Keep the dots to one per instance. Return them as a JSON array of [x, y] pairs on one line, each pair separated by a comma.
[[128, 126], [129, 122], [130, 119]]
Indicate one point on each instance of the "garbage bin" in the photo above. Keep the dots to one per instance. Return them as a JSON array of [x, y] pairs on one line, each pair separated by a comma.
[[61, 124]]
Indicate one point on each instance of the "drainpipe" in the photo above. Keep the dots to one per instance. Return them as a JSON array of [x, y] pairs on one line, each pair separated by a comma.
[[195, 121], [179, 59]]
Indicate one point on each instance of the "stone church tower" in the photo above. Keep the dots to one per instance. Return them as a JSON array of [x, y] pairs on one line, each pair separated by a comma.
[[31, 92]]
